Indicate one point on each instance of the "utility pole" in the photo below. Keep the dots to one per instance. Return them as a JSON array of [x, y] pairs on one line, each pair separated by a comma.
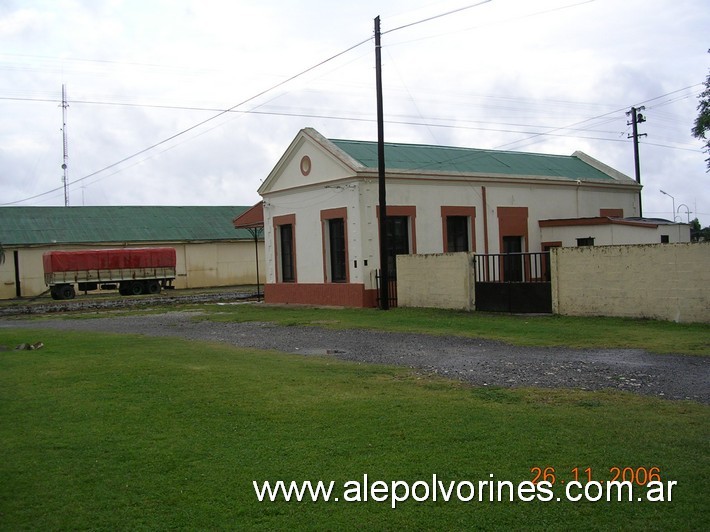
[[65, 146], [636, 119], [384, 262]]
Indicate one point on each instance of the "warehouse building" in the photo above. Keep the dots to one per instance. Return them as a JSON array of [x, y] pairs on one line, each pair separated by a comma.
[[210, 251]]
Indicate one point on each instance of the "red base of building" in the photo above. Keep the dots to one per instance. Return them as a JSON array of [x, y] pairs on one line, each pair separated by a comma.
[[327, 294]]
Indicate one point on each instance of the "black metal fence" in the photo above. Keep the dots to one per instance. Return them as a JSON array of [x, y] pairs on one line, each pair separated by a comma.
[[513, 282], [513, 267], [391, 289]]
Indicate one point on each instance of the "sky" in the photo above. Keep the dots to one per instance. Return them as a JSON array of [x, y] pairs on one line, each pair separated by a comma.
[[193, 102]]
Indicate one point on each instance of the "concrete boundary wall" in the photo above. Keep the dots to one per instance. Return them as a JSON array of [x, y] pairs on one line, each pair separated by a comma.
[[659, 281], [440, 280]]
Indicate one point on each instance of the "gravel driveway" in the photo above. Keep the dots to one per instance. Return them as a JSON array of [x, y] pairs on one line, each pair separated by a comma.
[[479, 362]]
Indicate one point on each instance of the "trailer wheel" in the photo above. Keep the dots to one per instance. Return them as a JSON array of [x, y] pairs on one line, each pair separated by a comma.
[[136, 288], [153, 287], [65, 291]]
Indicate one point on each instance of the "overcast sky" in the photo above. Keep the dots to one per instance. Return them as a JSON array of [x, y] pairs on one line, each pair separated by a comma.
[[146, 81]]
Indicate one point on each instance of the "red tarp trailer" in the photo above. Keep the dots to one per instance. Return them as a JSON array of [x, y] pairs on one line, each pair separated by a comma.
[[133, 270], [108, 259]]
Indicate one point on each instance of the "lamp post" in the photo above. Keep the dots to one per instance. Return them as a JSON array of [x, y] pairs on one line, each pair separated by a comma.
[[687, 209], [667, 194]]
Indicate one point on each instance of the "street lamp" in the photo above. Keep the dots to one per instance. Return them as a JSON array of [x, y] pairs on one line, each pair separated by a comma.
[[687, 210], [667, 194]]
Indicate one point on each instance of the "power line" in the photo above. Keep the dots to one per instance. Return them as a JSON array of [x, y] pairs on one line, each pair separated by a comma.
[[608, 117], [429, 19], [201, 123], [424, 122], [610, 113], [222, 112], [553, 132], [522, 17], [318, 116]]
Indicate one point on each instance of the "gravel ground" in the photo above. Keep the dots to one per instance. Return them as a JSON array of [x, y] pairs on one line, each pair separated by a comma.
[[479, 362], [98, 301]]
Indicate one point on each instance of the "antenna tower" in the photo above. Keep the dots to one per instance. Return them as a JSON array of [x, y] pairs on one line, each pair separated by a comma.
[[65, 146]]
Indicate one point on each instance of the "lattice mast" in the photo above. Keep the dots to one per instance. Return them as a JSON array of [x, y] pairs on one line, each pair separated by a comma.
[[65, 144]]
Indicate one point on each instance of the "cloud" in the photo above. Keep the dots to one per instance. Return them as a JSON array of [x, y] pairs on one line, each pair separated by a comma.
[[550, 76]]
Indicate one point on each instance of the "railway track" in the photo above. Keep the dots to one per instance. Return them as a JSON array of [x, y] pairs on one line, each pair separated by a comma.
[[43, 304]]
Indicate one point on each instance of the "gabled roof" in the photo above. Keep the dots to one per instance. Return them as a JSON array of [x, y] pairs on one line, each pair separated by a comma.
[[252, 218], [426, 158], [357, 158], [93, 225], [651, 223]]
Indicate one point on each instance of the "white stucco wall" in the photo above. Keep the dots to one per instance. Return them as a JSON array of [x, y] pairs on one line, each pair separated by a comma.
[[613, 234], [329, 184], [561, 200], [306, 205], [323, 167], [360, 196]]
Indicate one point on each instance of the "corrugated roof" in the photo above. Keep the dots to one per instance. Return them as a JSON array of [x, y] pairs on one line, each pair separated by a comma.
[[427, 158], [88, 225], [252, 218]]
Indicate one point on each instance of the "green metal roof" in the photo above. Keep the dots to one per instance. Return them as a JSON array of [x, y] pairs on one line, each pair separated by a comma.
[[427, 158], [89, 225]]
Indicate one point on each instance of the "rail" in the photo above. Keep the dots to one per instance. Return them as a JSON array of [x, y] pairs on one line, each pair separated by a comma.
[[512, 267]]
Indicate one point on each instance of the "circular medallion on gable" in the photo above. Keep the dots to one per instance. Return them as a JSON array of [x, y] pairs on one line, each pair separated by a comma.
[[306, 165]]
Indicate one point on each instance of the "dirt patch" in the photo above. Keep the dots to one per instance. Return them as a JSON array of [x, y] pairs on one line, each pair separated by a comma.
[[476, 361]]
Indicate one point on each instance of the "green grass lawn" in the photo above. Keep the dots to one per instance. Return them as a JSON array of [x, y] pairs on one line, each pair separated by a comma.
[[652, 335], [125, 432]]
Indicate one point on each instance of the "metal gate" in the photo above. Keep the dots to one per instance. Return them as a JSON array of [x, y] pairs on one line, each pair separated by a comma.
[[391, 290], [513, 282]]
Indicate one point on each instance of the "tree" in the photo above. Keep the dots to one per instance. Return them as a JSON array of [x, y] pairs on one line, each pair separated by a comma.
[[697, 234], [701, 130]]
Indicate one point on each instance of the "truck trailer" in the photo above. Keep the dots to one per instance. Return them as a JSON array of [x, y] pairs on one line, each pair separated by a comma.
[[133, 271]]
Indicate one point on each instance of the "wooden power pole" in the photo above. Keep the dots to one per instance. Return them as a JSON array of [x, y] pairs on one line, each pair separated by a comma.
[[384, 262], [636, 119]]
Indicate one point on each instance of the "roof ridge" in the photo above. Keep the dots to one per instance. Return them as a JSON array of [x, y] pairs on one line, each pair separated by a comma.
[[444, 160], [80, 225], [450, 147]]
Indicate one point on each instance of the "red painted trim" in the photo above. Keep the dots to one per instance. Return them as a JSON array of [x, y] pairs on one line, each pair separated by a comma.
[[327, 294], [571, 222], [306, 165], [285, 219], [512, 221], [470, 212], [485, 220], [404, 210], [330, 214], [251, 218], [612, 213]]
